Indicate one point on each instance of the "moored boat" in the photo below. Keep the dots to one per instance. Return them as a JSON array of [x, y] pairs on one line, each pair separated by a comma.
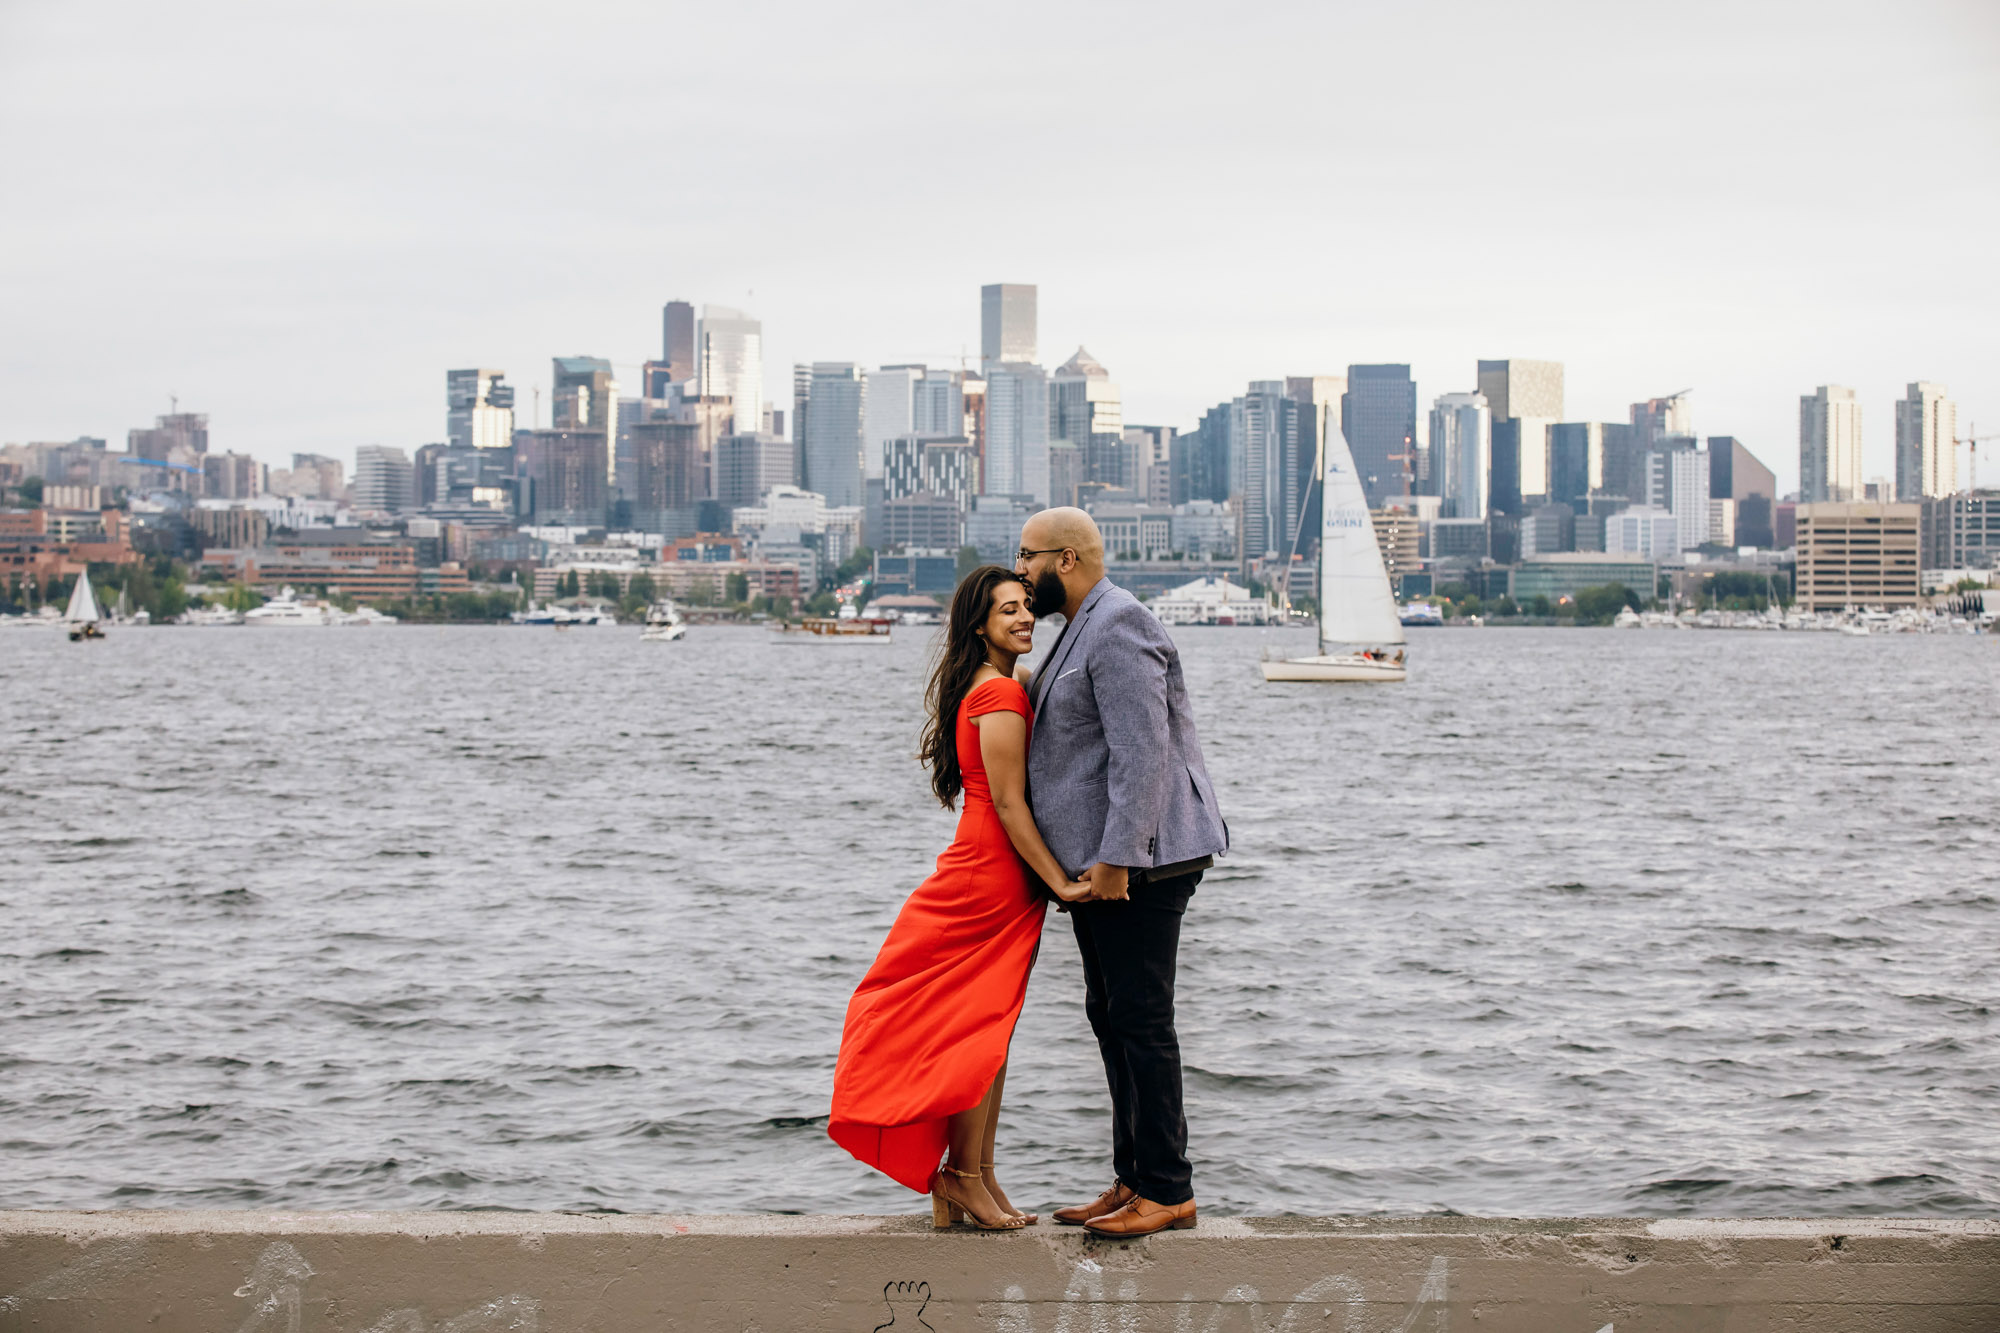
[[831, 629]]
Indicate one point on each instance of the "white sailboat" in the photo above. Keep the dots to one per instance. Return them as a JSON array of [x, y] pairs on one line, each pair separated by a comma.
[[1360, 627], [82, 616]]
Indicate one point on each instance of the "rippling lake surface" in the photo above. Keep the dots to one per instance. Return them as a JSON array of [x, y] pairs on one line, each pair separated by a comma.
[[1575, 922]]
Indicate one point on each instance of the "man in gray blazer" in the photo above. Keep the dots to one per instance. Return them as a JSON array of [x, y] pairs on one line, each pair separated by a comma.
[[1121, 796]]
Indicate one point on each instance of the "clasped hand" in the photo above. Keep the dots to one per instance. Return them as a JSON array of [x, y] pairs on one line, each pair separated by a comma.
[[1102, 883]]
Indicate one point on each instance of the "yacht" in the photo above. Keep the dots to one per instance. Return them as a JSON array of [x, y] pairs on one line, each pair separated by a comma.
[[289, 611], [211, 615], [663, 624]]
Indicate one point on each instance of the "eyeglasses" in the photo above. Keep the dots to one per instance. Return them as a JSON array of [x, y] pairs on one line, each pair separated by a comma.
[[1024, 555]]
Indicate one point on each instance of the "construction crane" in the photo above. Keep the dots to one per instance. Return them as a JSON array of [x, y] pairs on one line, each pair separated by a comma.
[[1971, 443]]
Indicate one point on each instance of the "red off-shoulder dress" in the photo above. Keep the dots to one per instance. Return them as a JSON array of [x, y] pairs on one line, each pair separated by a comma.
[[928, 1026]]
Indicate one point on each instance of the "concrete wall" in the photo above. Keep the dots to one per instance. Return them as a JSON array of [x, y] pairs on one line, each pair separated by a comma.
[[228, 1272]]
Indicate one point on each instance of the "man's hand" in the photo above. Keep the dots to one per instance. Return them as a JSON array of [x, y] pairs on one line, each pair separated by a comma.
[[1109, 883]]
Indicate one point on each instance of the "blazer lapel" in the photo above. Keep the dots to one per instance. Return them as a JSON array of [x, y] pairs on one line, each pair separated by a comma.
[[1053, 668]]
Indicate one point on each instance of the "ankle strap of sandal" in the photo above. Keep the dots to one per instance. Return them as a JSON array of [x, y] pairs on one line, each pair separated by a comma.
[[962, 1175]]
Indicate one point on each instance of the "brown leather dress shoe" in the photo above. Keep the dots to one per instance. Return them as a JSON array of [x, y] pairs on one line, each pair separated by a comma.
[[1142, 1217], [1108, 1202]]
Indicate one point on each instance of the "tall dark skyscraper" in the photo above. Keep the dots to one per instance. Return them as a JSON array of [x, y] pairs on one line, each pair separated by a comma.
[[678, 346], [1379, 414]]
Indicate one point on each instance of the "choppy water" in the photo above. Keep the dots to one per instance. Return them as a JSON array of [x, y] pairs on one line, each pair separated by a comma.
[[1575, 922]]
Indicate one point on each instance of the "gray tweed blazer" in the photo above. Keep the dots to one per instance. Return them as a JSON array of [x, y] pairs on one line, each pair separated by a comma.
[[1114, 769]]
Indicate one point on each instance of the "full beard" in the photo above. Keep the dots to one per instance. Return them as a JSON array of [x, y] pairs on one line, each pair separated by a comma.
[[1048, 596]]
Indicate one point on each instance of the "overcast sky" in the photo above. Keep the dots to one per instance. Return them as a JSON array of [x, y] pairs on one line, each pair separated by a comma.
[[297, 216]]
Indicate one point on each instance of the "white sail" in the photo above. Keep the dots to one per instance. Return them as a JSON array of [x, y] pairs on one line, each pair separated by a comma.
[[1355, 603], [82, 605]]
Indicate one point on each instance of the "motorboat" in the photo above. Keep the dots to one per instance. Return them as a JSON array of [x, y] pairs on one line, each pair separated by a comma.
[[564, 617], [211, 615], [1360, 630], [663, 624], [1421, 613]]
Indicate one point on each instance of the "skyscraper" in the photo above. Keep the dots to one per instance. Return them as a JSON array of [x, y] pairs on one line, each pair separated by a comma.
[[746, 466], [678, 343], [585, 402], [937, 405], [1017, 431], [1926, 443], [1576, 462], [892, 401], [1530, 392], [1084, 409], [836, 413], [1007, 323], [1265, 431], [1379, 414], [1830, 445], [479, 409], [1657, 418], [1735, 474], [730, 363], [1461, 453], [567, 473]]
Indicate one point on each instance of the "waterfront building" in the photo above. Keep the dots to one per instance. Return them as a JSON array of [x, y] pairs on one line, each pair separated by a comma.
[[1646, 531], [384, 480], [1378, 413], [1007, 323], [1735, 474], [1926, 443], [1017, 432], [1204, 529], [835, 412], [1531, 393], [917, 571], [369, 566], [479, 409], [1858, 553], [1962, 531], [1830, 445], [1557, 575], [729, 354], [890, 412], [1460, 453], [1212, 601], [677, 344], [747, 466]]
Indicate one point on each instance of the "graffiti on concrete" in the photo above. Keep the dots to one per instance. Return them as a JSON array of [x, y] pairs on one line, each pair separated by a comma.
[[276, 1290], [1087, 1305], [905, 1299]]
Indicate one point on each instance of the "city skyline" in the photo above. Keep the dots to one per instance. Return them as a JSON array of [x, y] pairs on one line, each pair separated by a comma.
[[304, 276]]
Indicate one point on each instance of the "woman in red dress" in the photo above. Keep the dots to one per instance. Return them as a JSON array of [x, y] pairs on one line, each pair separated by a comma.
[[923, 1055]]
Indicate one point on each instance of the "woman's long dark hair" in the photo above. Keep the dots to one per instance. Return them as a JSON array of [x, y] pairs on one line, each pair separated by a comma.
[[959, 659]]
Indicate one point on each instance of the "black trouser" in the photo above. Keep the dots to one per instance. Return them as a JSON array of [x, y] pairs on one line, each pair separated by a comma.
[[1129, 951]]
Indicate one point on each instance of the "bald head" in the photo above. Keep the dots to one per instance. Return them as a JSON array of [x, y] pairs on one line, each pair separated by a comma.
[[1067, 563], [1068, 527]]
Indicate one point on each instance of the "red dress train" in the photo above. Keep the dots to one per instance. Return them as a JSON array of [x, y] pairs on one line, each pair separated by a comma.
[[929, 1025]]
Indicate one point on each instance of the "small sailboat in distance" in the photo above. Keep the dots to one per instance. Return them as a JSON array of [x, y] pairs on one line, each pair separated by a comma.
[[82, 616], [1360, 627]]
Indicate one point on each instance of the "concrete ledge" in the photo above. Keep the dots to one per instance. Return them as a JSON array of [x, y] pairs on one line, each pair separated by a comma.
[[239, 1272]]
